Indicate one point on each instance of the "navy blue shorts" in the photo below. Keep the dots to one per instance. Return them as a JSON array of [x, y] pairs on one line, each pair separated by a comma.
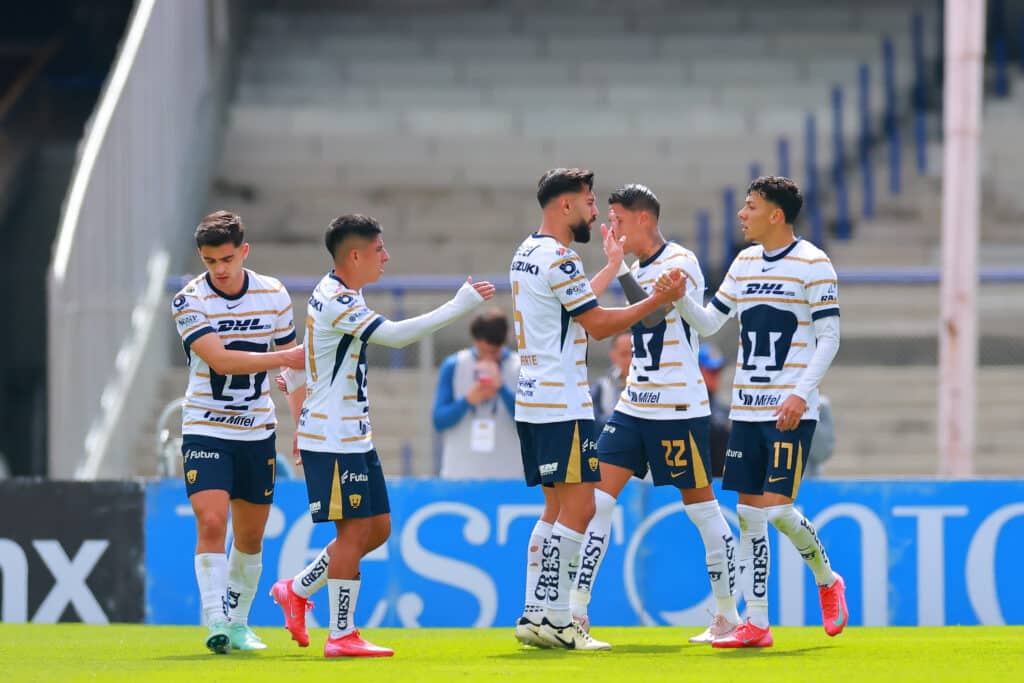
[[678, 452], [344, 485], [559, 452], [245, 469], [761, 459]]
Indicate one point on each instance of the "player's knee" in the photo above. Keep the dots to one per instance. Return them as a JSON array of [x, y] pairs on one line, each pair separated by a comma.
[[249, 540], [380, 534], [211, 524]]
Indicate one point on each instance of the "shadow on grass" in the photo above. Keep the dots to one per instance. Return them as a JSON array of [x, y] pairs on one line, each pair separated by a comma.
[[770, 652], [537, 653]]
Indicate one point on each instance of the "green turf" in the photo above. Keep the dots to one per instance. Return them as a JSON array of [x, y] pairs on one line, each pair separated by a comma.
[[74, 652]]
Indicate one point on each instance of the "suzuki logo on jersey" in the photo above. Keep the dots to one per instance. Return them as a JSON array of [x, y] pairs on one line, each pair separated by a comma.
[[246, 325], [766, 289], [524, 267], [316, 303], [759, 401]]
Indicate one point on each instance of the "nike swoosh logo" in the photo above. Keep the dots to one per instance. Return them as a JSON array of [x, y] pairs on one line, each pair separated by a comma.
[[765, 270], [568, 643], [268, 492], [231, 308], [676, 475], [839, 619], [772, 480]]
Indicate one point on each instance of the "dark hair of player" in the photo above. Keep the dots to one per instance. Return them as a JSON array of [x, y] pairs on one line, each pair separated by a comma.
[[559, 181], [353, 224], [780, 191], [636, 197], [490, 326], [220, 227]]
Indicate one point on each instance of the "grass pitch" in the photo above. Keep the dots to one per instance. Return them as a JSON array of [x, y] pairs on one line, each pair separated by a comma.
[[75, 652]]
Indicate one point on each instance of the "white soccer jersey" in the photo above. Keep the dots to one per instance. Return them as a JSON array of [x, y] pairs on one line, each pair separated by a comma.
[[236, 407], [776, 298], [549, 288], [336, 414], [664, 381]]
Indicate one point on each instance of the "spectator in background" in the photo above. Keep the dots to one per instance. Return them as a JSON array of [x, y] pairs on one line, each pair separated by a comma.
[[711, 363], [475, 404], [607, 389]]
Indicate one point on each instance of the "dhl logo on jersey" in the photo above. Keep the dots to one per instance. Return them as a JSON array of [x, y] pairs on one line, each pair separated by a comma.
[[242, 325]]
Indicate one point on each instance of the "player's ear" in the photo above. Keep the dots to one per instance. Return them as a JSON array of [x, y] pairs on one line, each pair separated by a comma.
[[245, 250]]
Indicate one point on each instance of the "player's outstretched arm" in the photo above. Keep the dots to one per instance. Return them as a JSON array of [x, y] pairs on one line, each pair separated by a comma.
[[404, 332], [634, 293], [603, 322], [705, 319], [224, 361]]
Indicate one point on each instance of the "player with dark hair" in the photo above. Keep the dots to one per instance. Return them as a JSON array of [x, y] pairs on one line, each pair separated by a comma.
[[555, 309], [784, 291], [228, 318], [344, 477]]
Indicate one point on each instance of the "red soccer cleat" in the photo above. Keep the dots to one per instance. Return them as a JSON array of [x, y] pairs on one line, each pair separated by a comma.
[[295, 608], [833, 606], [746, 635], [352, 645]]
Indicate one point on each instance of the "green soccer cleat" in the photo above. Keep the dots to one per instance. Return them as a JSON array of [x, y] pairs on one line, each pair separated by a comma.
[[242, 638], [218, 642]]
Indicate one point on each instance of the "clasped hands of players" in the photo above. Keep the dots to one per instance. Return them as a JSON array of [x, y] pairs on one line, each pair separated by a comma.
[[789, 411]]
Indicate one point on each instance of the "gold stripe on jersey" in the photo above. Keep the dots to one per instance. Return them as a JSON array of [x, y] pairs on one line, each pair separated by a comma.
[[727, 296], [588, 404], [195, 327], [265, 291], [349, 398], [364, 437], [239, 314], [825, 303], [204, 375], [540, 405], [670, 342], [759, 408], [774, 278], [310, 355], [219, 411], [221, 424], [353, 355], [764, 386], [569, 282], [572, 469], [581, 341], [822, 282], [189, 310], [355, 332], [202, 394], [552, 384], [795, 365], [318, 416], [334, 323], [585, 297], [655, 385], [799, 345], [700, 475], [247, 335], [785, 258], [335, 510], [672, 364], [364, 416], [311, 436], [772, 300], [581, 362], [583, 383], [571, 259], [804, 323], [673, 406], [285, 309]]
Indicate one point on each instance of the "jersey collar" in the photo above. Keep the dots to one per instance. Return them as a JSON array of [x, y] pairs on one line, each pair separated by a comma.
[[335, 277], [230, 297], [654, 257], [782, 254]]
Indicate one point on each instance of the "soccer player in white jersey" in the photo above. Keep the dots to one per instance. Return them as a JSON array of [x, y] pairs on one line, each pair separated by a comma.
[[784, 292], [555, 308], [662, 420], [344, 477], [228, 319]]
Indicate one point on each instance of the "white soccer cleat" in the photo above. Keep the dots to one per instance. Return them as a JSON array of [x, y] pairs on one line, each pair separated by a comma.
[[528, 633], [720, 628], [583, 620], [570, 637]]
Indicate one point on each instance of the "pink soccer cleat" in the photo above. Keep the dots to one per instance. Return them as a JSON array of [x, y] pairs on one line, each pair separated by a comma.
[[833, 606], [295, 608], [353, 645], [746, 635]]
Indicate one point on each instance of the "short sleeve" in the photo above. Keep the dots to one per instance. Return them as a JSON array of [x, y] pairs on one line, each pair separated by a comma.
[[189, 319], [822, 289], [284, 327], [570, 285], [351, 316]]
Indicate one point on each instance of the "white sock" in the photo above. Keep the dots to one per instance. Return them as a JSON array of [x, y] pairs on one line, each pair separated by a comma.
[[212, 577], [719, 549], [592, 555], [243, 579], [754, 561], [344, 594], [565, 545], [313, 577], [798, 529], [536, 593]]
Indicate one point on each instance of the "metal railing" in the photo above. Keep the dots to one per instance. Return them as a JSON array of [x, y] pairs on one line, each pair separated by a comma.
[[139, 178]]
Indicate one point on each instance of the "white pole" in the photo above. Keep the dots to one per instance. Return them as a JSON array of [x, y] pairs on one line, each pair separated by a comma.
[[958, 333]]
